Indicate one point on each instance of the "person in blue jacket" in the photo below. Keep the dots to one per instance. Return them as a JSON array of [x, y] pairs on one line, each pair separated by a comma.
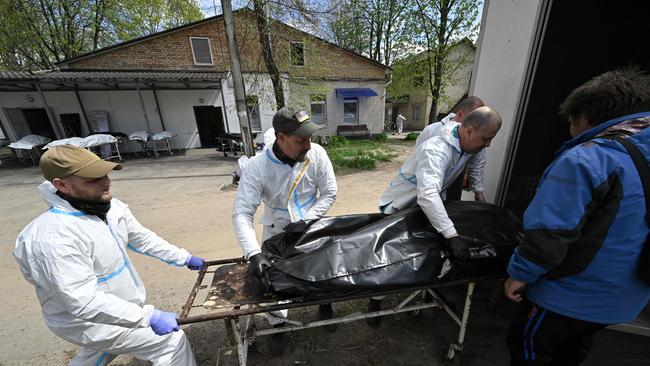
[[585, 228]]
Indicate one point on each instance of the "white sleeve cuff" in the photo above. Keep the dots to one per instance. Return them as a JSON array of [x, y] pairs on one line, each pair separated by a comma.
[[252, 253], [449, 232], [147, 311]]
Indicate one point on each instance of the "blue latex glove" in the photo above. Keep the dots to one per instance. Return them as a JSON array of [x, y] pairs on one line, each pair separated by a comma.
[[163, 322], [195, 263]]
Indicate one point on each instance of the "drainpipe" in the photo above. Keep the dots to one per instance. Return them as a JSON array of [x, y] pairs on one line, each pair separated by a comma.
[[146, 117]]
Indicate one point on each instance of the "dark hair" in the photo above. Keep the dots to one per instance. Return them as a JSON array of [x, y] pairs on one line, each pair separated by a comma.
[[609, 95], [470, 103]]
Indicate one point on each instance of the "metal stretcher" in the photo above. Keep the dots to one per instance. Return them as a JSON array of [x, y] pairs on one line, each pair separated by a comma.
[[235, 296]]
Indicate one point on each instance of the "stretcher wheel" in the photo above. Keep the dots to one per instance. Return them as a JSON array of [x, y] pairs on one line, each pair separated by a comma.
[[444, 354]]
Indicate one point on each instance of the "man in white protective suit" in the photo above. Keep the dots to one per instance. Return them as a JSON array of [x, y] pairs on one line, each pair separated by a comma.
[[399, 122], [429, 171], [75, 255], [465, 107], [475, 166], [295, 180]]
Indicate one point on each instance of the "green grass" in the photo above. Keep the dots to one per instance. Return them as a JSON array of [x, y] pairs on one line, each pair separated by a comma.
[[412, 136], [358, 154]]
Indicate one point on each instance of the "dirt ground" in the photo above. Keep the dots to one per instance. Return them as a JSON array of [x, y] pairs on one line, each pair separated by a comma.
[[180, 197]]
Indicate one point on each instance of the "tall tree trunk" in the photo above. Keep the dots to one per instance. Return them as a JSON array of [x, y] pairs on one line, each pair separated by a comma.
[[265, 41], [435, 86], [378, 37], [439, 59], [99, 18]]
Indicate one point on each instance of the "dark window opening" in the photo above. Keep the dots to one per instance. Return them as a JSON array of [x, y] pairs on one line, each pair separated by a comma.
[[297, 54]]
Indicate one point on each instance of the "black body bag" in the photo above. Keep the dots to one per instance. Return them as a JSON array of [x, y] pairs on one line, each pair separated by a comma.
[[353, 254]]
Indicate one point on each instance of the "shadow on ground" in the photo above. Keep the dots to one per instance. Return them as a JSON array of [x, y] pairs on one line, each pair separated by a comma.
[[402, 339]]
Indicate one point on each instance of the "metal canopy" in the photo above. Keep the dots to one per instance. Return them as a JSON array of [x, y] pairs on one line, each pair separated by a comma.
[[21, 81]]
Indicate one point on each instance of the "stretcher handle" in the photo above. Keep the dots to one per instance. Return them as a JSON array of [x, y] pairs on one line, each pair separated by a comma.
[[199, 280]]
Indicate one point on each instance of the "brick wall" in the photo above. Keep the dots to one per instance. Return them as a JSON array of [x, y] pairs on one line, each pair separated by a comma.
[[172, 51]]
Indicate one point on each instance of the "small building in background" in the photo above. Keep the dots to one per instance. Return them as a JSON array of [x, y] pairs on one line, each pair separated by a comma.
[[414, 103], [178, 80]]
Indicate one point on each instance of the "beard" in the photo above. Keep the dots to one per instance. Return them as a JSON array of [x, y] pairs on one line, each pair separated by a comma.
[[302, 156]]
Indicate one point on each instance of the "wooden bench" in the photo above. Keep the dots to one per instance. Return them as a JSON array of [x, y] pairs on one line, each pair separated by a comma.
[[353, 131]]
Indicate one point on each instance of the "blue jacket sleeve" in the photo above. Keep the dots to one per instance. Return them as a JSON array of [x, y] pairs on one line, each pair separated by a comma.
[[554, 218]]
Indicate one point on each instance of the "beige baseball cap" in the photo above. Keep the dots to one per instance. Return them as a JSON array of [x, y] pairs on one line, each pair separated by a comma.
[[65, 160]]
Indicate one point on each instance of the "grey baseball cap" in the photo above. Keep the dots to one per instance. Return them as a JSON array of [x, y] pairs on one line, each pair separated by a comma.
[[297, 123]]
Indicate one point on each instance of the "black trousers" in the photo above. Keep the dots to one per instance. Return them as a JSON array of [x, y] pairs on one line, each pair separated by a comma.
[[541, 337]]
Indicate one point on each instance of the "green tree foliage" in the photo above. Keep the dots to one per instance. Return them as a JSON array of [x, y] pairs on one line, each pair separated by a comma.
[[441, 24], [378, 29], [36, 34], [414, 37], [300, 14]]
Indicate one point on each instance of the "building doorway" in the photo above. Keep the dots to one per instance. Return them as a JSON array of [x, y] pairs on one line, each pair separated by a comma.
[[209, 122], [581, 28], [29, 121]]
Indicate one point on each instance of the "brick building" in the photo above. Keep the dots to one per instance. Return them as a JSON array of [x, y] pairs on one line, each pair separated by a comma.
[[178, 80]]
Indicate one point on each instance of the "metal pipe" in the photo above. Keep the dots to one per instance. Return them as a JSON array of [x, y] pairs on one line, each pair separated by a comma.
[[155, 97], [146, 117], [188, 304], [345, 319], [83, 109], [223, 107], [50, 115], [266, 309]]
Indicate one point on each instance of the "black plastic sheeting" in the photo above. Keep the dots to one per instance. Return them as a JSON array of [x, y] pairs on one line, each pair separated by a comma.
[[351, 254]]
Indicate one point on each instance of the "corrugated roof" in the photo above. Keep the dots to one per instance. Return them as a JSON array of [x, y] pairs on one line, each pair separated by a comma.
[[62, 76]]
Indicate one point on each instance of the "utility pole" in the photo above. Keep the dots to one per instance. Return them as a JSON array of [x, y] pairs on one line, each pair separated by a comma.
[[238, 82]]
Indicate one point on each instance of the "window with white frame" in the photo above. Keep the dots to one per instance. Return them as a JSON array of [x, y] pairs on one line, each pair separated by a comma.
[[253, 110], [318, 106], [415, 113], [351, 110], [297, 53], [201, 50]]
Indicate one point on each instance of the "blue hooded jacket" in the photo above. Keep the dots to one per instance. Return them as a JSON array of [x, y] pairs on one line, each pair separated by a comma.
[[585, 230]]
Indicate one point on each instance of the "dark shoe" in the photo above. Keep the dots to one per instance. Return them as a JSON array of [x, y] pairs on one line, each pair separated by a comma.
[[374, 305], [325, 312], [276, 342]]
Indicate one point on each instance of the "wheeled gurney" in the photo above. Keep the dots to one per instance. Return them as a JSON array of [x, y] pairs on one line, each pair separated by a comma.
[[235, 297], [350, 257]]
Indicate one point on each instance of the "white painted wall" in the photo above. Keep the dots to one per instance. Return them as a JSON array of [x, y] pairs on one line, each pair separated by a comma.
[[59, 102], [125, 110], [178, 113], [500, 65], [371, 109], [462, 55], [126, 115], [259, 85]]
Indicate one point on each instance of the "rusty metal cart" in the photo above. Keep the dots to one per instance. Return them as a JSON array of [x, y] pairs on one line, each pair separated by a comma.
[[235, 297]]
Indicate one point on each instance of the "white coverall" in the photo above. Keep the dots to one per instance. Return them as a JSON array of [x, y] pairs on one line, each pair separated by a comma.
[[267, 138], [302, 192], [433, 129], [427, 173], [90, 293], [399, 121]]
